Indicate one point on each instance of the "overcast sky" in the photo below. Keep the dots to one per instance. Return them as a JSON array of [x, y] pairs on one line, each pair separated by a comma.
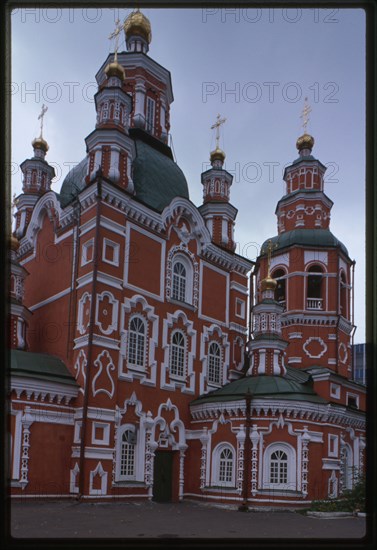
[[254, 67]]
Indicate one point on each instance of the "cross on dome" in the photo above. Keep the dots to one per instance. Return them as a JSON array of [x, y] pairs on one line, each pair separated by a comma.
[[217, 125], [115, 35], [305, 115], [41, 116]]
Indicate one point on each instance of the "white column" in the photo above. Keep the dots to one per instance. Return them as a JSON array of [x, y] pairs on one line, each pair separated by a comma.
[[139, 113]]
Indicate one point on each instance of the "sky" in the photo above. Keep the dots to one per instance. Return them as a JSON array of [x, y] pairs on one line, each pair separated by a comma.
[[253, 66]]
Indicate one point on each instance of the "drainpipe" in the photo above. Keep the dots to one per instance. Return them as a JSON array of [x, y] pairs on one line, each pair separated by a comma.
[[247, 458], [90, 340], [73, 294]]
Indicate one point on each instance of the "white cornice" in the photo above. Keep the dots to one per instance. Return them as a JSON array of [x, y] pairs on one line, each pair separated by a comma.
[[39, 390]]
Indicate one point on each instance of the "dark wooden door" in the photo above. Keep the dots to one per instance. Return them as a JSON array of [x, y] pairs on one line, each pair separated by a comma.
[[163, 476]]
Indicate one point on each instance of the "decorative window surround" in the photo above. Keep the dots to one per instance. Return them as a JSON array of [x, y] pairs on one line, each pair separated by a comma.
[[110, 248], [84, 310], [73, 487], [184, 256], [113, 305], [166, 382], [335, 390], [87, 252], [290, 472], [240, 308], [213, 332], [333, 445], [223, 466], [148, 375], [103, 475], [352, 399]]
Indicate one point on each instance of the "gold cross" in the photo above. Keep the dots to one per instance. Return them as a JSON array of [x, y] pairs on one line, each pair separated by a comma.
[[41, 116], [115, 34], [305, 115], [217, 125], [270, 248]]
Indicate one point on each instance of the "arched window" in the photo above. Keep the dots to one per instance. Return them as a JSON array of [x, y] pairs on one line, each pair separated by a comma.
[[136, 342], [182, 278], [226, 466], [214, 364], [127, 466], [279, 467], [314, 287], [178, 354], [343, 295], [223, 466], [280, 295], [179, 282]]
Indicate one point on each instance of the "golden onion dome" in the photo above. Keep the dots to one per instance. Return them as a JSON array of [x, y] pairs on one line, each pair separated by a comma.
[[137, 23], [40, 143], [115, 69], [14, 243], [305, 142], [268, 283], [217, 154]]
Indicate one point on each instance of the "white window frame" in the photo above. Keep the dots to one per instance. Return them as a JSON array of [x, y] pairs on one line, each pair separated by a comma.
[[333, 445], [130, 365], [209, 357], [84, 252], [216, 454], [121, 431], [107, 243], [106, 433], [186, 262], [184, 367], [335, 390], [240, 304], [291, 484], [355, 396]]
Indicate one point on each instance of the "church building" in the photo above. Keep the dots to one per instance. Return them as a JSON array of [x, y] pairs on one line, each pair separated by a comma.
[[133, 373]]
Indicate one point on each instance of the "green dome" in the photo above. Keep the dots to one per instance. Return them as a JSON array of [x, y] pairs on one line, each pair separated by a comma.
[[272, 387], [157, 178], [73, 183], [321, 238]]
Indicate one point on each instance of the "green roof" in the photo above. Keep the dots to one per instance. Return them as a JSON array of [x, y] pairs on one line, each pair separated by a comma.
[[73, 183], [157, 178], [293, 386], [40, 365], [306, 237]]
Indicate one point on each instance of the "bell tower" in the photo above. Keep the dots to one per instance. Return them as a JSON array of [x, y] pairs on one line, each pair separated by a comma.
[[216, 210], [37, 178], [109, 146], [312, 268]]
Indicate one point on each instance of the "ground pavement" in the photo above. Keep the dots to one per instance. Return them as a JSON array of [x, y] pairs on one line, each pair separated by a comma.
[[110, 520]]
